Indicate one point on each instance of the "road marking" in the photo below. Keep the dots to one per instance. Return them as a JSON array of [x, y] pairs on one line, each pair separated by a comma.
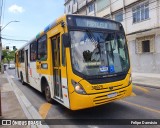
[[150, 109], [141, 88], [43, 110], [92, 126], [12, 76], [133, 94]]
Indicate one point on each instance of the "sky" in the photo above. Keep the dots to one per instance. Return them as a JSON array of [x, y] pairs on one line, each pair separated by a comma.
[[33, 17]]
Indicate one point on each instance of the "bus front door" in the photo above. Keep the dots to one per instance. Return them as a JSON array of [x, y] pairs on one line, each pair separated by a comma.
[[56, 67]]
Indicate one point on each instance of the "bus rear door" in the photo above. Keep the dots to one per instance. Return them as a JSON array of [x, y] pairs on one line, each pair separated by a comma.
[[26, 65]]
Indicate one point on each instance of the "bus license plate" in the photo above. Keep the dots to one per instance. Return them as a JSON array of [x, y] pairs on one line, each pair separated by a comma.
[[112, 95]]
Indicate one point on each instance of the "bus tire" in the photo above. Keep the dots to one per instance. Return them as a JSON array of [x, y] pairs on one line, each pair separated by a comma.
[[22, 81], [47, 93]]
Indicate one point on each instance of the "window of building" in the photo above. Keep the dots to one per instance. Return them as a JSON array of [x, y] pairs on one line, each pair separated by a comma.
[[42, 48], [22, 55], [119, 16], [91, 8], [33, 51], [102, 4], [145, 44], [141, 12]]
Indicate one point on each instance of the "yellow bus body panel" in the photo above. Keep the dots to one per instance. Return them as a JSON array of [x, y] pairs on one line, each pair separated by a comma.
[[98, 97], [78, 101]]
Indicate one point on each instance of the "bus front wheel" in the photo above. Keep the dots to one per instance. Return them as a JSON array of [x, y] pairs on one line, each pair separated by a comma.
[[48, 94]]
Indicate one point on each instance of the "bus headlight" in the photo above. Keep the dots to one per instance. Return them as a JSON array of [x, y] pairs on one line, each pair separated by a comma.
[[78, 88], [130, 80]]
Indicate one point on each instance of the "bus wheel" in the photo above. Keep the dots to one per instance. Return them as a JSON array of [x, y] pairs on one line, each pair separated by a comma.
[[22, 81], [48, 94]]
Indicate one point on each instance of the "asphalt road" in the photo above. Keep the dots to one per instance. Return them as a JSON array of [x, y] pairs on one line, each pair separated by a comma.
[[143, 104]]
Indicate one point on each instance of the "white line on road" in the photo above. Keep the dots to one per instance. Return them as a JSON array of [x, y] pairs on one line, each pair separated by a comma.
[[11, 76], [142, 107]]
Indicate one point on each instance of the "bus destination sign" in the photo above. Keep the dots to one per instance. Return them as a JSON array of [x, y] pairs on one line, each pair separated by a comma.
[[96, 23]]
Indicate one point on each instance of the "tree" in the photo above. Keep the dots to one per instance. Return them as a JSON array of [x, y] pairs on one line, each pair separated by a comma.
[[8, 55]]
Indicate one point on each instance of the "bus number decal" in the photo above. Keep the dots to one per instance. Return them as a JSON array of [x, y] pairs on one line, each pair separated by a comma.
[[97, 87], [38, 66]]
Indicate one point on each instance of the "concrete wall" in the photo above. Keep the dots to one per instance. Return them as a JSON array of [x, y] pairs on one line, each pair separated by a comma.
[[128, 2], [145, 62], [116, 5], [103, 12]]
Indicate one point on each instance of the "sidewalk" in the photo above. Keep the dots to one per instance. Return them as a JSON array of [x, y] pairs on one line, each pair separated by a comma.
[[11, 108], [146, 79], [15, 105]]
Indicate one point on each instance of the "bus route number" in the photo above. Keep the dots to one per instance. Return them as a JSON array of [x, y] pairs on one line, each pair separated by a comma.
[[38, 66], [97, 87]]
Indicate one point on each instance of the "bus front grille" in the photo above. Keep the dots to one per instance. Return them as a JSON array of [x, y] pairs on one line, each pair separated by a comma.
[[105, 99]]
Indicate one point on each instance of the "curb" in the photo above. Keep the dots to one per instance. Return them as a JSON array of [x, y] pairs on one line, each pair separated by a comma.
[[27, 107], [146, 85]]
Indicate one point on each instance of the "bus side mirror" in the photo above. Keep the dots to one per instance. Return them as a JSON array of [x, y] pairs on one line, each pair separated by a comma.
[[65, 40]]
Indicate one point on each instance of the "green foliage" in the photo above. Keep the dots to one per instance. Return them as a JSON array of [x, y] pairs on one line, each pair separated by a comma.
[[8, 55]]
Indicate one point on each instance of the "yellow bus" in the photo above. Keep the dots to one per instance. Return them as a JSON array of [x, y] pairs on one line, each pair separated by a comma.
[[78, 61]]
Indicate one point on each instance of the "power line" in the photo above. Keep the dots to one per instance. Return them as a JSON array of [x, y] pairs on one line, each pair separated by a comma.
[[12, 36], [14, 39]]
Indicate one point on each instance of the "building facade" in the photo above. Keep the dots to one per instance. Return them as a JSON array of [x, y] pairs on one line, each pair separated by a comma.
[[141, 21]]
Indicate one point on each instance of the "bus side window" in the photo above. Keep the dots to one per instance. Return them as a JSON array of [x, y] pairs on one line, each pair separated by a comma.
[[33, 51], [15, 58], [42, 48], [19, 56], [22, 55]]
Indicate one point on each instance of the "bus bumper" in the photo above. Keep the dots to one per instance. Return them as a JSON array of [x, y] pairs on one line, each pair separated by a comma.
[[78, 101]]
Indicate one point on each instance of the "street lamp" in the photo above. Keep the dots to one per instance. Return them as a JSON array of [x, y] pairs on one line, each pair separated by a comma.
[[7, 24], [2, 28]]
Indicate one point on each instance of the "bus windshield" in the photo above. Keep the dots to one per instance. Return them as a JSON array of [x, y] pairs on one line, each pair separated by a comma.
[[99, 53]]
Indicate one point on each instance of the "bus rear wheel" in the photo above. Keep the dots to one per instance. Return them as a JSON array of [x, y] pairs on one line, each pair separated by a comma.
[[48, 94]]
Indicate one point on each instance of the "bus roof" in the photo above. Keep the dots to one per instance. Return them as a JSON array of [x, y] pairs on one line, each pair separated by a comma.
[[54, 23]]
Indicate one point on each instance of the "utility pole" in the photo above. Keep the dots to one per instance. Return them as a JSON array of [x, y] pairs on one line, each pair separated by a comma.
[[0, 45], [1, 61]]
